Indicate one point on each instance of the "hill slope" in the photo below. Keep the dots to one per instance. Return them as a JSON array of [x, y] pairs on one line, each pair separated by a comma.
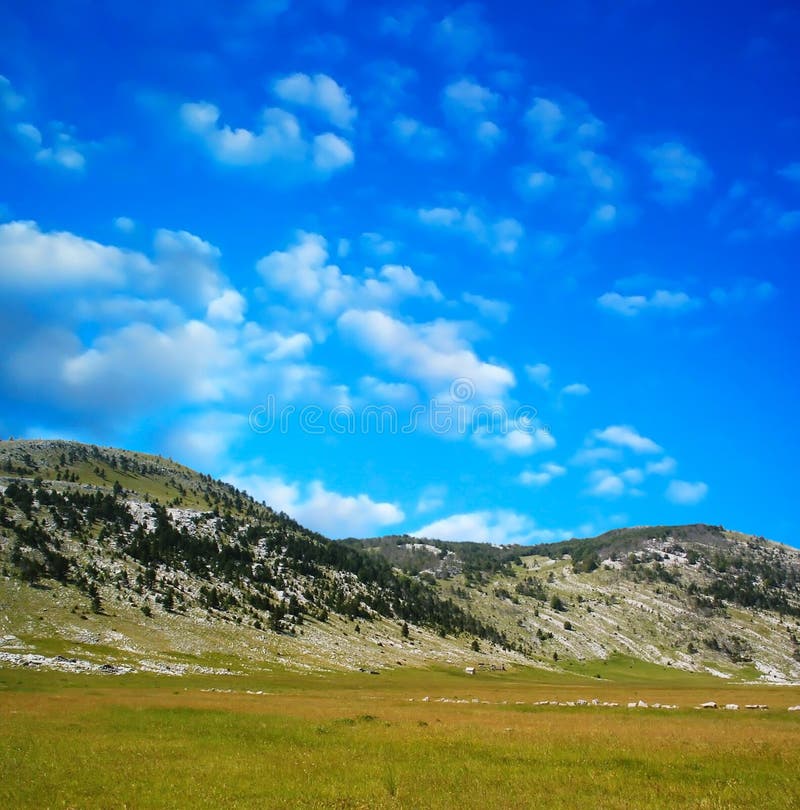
[[694, 597], [125, 561]]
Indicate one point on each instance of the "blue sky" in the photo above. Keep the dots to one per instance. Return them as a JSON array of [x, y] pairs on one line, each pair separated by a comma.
[[494, 272]]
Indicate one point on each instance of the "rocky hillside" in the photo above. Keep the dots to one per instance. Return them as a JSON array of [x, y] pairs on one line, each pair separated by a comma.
[[93, 538], [121, 561], [694, 597]]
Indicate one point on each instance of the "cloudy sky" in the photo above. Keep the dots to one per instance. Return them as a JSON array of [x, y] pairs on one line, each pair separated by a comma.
[[481, 272]]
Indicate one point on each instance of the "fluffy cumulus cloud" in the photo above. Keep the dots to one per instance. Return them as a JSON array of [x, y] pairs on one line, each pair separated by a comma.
[[576, 390], [501, 236], [664, 466], [431, 498], [273, 346], [626, 437], [140, 365], [320, 93], [514, 439], [10, 99], [433, 354], [470, 105], [35, 261], [541, 477], [188, 268], [228, 307], [677, 172], [563, 124], [53, 143], [321, 509], [743, 291], [304, 275], [659, 301], [203, 439], [540, 374], [277, 139], [418, 140], [604, 483], [497, 526], [462, 34], [686, 493], [489, 308], [124, 224]]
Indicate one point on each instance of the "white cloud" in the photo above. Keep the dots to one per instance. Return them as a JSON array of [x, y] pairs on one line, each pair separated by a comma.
[[431, 498], [501, 236], [434, 354], [302, 273], [686, 492], [275, 346], [605, 484], [488, 307], [743, 291], [604, 216], [462, 34], [588, 456], [64, 150], [539, 374], [545, 474], [136, 369], [278, 139], [188, 267], [403, 20], [56, 146], [664, 466], [488, 134], [379, 392], [124, 224], [677, 171], [377, 245], [418, 140], [330, 152], [469, 105], [535, 183], [320, 93], [627, 437], [632, 475], [402, 280], [514, 440], [468, 97], [141, 365], [203, 439], [10, 99], [320, 509], [498, 526], [659, 301], [567, 124], [576, 390], [35, 261], [229, 307], [600, 173]]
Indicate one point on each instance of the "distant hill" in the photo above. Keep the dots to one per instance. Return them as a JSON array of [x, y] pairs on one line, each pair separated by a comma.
[[119, 560]]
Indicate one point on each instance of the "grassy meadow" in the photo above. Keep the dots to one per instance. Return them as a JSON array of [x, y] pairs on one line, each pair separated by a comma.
[[363, 741]]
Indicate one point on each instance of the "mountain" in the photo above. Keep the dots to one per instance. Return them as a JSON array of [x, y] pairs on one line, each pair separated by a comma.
[[122, 561]]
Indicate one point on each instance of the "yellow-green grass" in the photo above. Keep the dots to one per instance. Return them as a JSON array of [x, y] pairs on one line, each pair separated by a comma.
[[352, 741]]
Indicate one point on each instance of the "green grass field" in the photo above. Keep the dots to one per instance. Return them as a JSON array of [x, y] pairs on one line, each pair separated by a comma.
[[362, 741]]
